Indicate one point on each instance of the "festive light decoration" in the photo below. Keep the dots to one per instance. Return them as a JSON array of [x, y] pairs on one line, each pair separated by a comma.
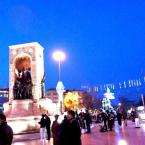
[[71, 100]]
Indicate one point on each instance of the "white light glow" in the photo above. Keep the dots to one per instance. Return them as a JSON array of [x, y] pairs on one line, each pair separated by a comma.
[[59, 55], [141, 108], [122, 142], [119, 104], [109, 95], [142, 116]]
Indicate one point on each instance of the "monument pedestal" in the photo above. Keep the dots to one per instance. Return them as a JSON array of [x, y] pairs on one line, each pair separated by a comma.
[[23, 115], [19, 108]]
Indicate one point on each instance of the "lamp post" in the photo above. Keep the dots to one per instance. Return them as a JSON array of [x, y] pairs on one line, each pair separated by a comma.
[[59, 56]]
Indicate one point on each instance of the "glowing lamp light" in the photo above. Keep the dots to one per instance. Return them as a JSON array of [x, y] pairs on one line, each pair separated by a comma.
[[58, 55]]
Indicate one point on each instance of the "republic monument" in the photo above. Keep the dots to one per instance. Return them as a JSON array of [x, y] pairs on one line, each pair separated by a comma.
[[26, 84]]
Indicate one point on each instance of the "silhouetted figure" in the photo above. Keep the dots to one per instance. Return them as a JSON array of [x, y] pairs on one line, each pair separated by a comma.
[[82, 121], [42, 127], [110, 120], [6, 132], [119, 116], [124, 116], [133, 115], [48, 123], [88, 120], [104, 119], [70, 133], [55, 130]]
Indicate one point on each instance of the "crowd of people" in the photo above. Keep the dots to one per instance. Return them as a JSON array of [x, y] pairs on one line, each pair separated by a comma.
[[69, 131], [73, 125]]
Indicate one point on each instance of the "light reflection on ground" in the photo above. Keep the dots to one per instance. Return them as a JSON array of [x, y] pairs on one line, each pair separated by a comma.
[[122, 142]]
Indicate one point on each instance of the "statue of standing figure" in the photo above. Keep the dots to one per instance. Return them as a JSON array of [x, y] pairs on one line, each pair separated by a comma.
[[23, 85]]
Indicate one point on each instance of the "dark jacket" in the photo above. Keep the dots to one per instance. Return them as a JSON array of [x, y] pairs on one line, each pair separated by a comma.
[[6, 134], [48, 121], [70, 133], [88, 118], [42, 122], [55, 132]]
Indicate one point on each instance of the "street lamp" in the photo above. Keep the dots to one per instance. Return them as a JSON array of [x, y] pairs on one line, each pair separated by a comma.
[[59, 56]]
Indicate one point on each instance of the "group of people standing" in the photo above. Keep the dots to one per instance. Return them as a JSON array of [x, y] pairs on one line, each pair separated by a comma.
[[108, 118], [69, 131], [85, 121], [45, 123], [22, 88]]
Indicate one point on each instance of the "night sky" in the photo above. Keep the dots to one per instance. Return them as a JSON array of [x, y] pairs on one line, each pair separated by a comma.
[[104, 40]]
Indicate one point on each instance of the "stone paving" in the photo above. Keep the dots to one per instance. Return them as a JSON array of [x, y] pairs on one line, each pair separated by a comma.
[[127, 135]]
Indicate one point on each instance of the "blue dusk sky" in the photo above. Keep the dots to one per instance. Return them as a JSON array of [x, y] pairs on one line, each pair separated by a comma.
[[104, 40]]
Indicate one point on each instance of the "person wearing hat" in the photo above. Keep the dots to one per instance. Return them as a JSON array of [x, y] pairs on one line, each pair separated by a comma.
[[70, 133], [6, 132]]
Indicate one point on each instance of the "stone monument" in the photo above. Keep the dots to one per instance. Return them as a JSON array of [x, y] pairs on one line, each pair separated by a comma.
[[26, 86]]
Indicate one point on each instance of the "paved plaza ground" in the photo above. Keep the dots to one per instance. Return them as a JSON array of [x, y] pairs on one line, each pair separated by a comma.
[[127, 135]]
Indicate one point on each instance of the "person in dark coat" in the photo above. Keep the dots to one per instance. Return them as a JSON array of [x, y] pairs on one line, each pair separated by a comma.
[[88, 120], [6, 132], [48, 123], [70, 132], [124, 116], [42, 127], [119, 116], [110, 119], [55, 130], [104, 119]]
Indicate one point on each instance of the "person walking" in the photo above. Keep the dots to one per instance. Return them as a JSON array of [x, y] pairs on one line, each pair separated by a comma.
[[124, 116], [55, 129], [6, 132], [110, 119], [42, 127], [104, 117], [48, 123], [70, 132], [88, 120], [119, 116]]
